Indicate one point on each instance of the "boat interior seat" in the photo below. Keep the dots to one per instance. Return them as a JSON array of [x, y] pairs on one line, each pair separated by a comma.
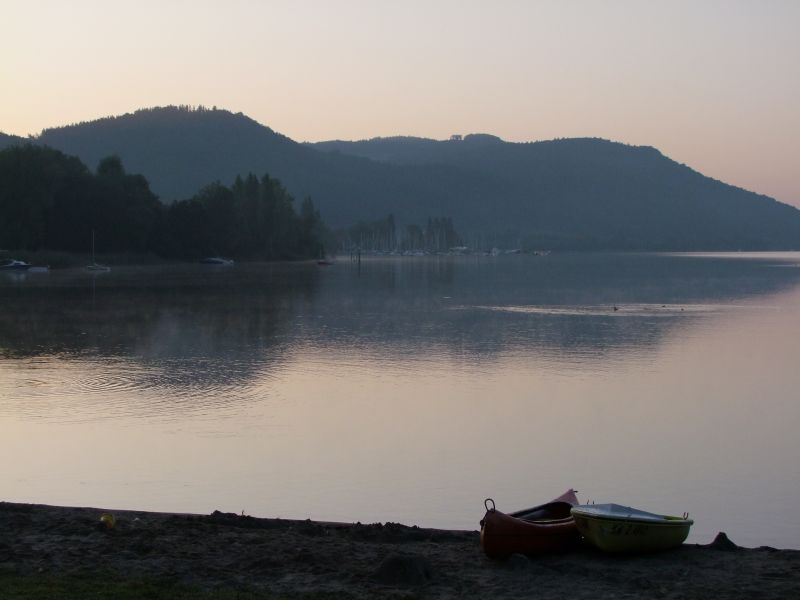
[[553, 510]]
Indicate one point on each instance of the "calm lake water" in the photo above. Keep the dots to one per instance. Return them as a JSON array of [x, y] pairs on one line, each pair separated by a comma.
[[410, 389]]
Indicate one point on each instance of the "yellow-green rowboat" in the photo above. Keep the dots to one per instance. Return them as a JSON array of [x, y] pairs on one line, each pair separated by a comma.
[[617, 528]]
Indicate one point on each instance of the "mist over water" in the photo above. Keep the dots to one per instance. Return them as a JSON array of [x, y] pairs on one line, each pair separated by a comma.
[[409, 389]]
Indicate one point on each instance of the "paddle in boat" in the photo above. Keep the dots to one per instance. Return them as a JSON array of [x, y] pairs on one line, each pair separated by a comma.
[[543, 529], [617, 528]]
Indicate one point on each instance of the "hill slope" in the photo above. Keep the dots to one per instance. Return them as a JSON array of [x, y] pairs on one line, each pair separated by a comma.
[[577, 193], [619, 195], [7, 140], [180, 150]]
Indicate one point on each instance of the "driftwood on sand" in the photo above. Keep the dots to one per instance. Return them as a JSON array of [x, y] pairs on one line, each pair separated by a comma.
[[228, 551]]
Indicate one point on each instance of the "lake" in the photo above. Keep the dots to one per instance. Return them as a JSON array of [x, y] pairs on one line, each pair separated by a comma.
[[409, 389]]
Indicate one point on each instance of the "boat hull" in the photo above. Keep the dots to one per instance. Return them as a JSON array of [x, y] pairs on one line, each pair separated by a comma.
[[630, 535], [216, 260], [98, 268], [545, 529], [15, 265]]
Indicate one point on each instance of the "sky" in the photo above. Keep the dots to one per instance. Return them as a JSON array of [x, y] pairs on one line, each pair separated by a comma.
[[712, 84]]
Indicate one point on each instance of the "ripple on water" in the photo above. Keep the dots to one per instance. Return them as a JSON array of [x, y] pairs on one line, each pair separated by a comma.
[[609, 310], [81, 390]]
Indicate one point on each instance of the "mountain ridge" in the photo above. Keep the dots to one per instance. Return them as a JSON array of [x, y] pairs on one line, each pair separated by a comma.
[[7, 140], [576, 193]]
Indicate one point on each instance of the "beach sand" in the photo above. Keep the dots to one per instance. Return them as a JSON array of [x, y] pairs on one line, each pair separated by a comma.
[[224, 551]]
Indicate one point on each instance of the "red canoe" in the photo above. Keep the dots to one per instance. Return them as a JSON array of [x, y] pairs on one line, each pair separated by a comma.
[[543, 529]]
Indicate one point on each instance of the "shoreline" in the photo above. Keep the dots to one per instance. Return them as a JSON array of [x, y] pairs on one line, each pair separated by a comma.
[[270, 557], [62, 260], [58, 260]]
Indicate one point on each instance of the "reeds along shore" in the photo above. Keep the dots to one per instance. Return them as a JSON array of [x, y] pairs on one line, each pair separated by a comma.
[[267, 557]]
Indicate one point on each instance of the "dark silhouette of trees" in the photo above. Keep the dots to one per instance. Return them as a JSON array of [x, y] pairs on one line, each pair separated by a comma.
[[254, 218], [312, 229], [33, 181], [439, 235], [379, 235], [125, 210], [186, 231], [49, 200]]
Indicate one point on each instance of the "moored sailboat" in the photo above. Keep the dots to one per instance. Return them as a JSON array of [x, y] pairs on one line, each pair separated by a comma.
[[217, 260], [15, 265], [94, 265]]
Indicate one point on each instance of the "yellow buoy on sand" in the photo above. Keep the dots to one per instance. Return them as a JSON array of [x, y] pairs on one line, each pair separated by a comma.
[[108, 520]]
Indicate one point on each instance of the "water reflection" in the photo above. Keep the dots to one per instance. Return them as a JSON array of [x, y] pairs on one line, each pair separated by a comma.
[[189, 326], [558, 306], [151, 312], [167, 342], [147, 339]]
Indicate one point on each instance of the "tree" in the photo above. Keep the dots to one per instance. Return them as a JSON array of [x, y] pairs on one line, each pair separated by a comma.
[[311, 229], [50, 200]]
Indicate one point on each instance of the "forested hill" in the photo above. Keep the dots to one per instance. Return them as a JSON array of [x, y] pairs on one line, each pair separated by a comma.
[[618, 195], [179, 150], [9, 140], [573, 193]]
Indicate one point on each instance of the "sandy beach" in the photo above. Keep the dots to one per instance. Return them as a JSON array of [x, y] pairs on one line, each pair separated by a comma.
[[225, 551]]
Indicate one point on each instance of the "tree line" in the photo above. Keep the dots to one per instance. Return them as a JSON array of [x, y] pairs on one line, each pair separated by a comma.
[[438, 235], [52, 201]]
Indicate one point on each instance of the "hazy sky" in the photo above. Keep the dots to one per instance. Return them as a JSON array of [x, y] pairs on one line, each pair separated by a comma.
[[713, 84]]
